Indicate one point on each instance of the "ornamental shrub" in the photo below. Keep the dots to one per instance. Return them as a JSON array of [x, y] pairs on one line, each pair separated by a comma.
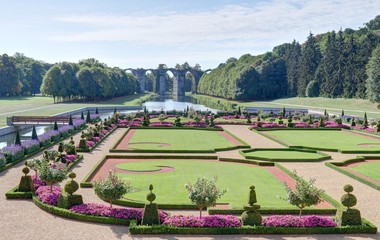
[[52, 174], [295, 221], [204, 193], [49, 195], [212, 221], [34, 164], [13, 152], [112, 188], [304, 195], [31, 145], [3, 161]]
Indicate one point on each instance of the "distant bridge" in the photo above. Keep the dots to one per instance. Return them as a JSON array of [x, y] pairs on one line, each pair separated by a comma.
[[37, 120], [160, 77]]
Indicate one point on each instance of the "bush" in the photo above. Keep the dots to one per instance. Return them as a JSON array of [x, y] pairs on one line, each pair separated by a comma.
[[52, 174], [49, 195], [213, 221], [31, 146], [112, 188], [3, 161], [13, 153]]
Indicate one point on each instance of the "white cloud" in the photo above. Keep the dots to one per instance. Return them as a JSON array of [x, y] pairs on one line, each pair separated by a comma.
[[268, 22]]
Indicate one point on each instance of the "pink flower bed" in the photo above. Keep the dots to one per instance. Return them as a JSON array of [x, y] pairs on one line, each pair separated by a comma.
[[90, 143], [71, 158], [37, 182], [214, 221], [43, 194], [296, 221], [163, 124], [106, 211]]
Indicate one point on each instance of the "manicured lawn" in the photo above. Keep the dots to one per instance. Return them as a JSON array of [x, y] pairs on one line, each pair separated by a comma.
[[173, 139], [44, 106], [278, 154], [325, 139], [169, 187], [370, 169]]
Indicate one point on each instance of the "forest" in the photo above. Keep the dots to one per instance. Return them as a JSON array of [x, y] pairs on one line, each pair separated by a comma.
[[335, 64]]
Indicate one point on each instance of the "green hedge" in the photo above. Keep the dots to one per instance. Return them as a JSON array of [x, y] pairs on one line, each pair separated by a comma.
[[97, 144], [272, 211], [9, 165], [14, 194], [82, 217], [259, 163], [335, 166], [134, 204], [322, 157], [179, 128], [366, 227], [295, 129]]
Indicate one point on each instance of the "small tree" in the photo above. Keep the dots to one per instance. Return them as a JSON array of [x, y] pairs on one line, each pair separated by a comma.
[[55, 126], [52, 174], [112, 188], [197, 119], [88, 117], [71, 121], [365, 122], [304, 195], [18, 139], [82, 116], [204, 193]]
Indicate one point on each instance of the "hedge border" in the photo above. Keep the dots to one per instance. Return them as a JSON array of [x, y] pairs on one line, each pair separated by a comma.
[[337, 166], [325, 197], [366, 227], [323, 156], [81, 217], [313, 148], [254, 162], [14, 194], [278, 211], [99, 142], [86, 184], [296, 129], [9, 165], [114, 150]]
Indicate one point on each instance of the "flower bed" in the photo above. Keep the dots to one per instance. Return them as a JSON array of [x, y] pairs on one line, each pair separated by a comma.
[[296, 221], [13, 153], [31, 146], [212, 221], [44, 194]]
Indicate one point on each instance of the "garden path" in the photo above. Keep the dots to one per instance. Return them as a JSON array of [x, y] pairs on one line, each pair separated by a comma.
[[22, 220]]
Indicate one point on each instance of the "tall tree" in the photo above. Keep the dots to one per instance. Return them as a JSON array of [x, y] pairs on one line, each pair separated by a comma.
[[310, 58], [373, 72], [51, 83]]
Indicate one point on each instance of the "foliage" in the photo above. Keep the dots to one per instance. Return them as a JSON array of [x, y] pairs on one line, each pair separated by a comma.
[[373, 73], [49, 195], [204, 193], [312, 89], [305, 193], [112, 188], [52, 174]]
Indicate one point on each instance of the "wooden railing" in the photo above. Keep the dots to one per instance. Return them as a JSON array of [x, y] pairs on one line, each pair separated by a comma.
[[39, 119]]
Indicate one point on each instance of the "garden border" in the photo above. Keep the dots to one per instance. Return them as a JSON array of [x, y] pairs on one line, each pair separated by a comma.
[[366, 227], [9, 165], [323, 156], [97, 143], [337, 166], [114, 149]]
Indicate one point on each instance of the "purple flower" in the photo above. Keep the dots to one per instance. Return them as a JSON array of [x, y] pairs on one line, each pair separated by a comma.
[[78, 122], [12, 149], [30, 143], [52, 133], [44, 194], [296, 221], [106, 211], [44, 137], [214, 221], [37, 182], [159, 124], [65, 128], [71, 158]]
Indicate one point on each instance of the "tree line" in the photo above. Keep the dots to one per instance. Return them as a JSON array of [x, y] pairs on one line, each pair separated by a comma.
[[21, 75], [87, 80], [334, 64]]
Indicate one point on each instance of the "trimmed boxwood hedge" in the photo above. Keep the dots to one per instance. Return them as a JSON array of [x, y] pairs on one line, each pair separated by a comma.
[[366, 227], [9, 165], [259, 163], [295, 129], [82, 217], [323, 156], [97, 143], [337, 166], [276, 211]]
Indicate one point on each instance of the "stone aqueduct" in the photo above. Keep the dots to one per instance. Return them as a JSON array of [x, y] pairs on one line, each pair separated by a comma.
[[179, 77]]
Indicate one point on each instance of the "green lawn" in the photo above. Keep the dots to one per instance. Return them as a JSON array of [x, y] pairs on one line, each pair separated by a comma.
[[44, 106], [283, 154], [370, 169], [325, 139], [169, 187], [174, 139]]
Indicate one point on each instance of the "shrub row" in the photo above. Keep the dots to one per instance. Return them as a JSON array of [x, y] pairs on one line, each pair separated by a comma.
[[277, 211], [97, 143], [366, 227], [322, 157], [24, 156], [259, 163]]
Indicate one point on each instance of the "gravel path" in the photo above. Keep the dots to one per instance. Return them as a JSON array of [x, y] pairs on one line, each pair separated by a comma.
[[22, 220]]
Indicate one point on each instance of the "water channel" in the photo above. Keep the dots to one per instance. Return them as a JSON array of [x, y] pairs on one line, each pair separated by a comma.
[[165, 103]]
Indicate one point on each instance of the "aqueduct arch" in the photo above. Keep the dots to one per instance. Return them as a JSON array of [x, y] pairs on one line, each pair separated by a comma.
[[178, 82]]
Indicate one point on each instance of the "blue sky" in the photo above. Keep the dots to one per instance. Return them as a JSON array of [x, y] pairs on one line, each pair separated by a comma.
[[145, 33]]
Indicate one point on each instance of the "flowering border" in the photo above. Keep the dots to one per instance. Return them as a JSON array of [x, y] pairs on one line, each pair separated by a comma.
[[98, 142]]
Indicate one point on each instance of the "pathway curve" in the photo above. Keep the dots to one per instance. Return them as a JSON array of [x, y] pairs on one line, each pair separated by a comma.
[[22, 220]]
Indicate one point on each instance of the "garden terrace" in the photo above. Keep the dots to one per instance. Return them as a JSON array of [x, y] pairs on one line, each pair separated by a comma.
[[177, 140], [325, 140], [170, 175]]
